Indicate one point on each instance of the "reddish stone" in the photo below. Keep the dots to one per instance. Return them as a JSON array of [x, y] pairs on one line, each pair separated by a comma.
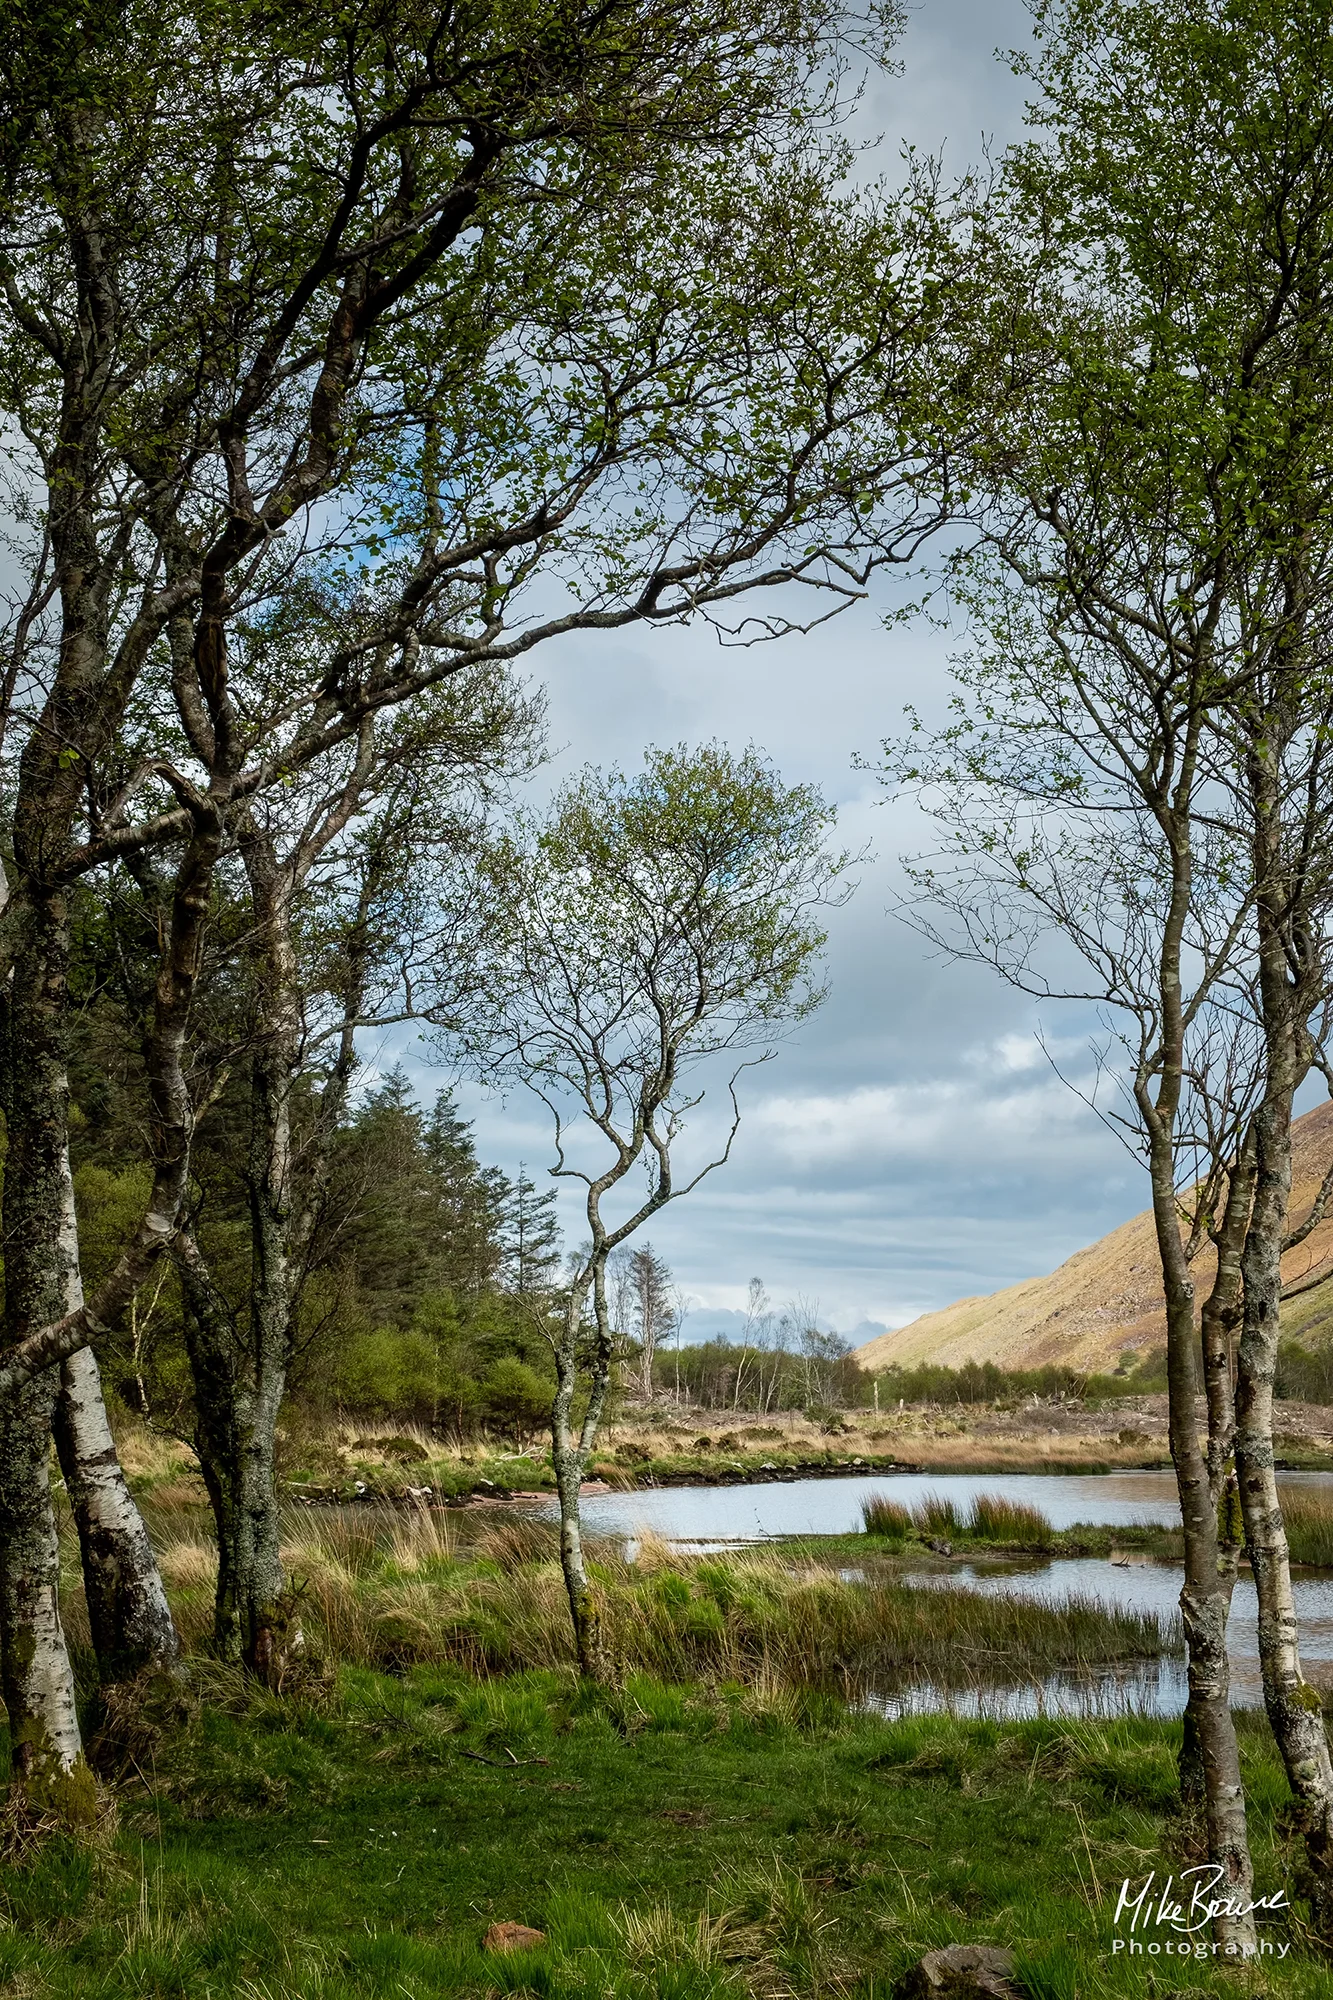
[[512, 1937]]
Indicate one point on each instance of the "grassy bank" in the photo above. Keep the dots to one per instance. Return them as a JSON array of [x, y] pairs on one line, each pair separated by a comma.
[[994, 1522], [673, 1842], [394, 1589], [723, 1824], [342, 1462]]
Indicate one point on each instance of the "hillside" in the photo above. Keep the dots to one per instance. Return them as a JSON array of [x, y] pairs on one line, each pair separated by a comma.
[[1105, 1302]]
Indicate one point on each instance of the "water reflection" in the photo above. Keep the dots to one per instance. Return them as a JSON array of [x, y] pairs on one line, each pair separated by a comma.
[[751, 1513], [1155, 1587], [699, 1518], [1150, 1687]]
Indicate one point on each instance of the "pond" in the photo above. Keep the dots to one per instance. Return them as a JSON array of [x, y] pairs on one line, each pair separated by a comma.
[[707, 1516]]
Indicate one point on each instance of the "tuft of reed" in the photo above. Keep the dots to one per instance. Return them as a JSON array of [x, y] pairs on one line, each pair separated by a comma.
[[990, 1518], [422, 1538], [518, 1541], [937, 1518], [882, 1516]]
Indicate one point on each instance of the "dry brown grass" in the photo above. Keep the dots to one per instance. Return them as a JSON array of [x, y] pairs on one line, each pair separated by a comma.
[[148, 1455], [188, 1562]]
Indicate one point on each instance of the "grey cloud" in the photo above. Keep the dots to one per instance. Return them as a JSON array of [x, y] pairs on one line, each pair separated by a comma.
[[902, 1150]]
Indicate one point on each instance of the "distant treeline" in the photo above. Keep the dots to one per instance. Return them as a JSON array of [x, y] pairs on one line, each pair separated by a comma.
[[811, 1369], [796, 1368], [985, 1382]]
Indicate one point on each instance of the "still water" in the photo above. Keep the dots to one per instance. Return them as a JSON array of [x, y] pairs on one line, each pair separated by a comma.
[[708, 1516], [833, 1506]]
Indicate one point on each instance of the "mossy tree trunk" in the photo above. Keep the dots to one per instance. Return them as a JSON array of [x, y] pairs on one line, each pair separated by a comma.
[[238, 1393], [570, 1453]]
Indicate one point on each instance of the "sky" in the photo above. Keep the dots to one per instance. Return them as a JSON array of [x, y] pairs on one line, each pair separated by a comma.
[[911, 1144]]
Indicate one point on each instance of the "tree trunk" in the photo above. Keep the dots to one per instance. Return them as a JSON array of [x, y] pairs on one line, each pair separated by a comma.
[[1210, 1759], [36, 1677], [584, 1610], [253, 1613], [130, 1619], [1294, 1709], [49, 1770], [1219, 1324], [236, 1422], [569, 1461]]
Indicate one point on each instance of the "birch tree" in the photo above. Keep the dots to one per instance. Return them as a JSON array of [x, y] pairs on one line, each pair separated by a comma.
[[650, 925], [1154, 499], [651, 1279], [377, 317]]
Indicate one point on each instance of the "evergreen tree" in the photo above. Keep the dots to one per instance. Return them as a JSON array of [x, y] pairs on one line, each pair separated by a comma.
[[473, 1199], [414, 1210], [532, 1236]]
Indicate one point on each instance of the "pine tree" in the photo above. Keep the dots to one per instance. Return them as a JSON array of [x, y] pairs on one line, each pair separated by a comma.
[[472, 1198], [532, 1236], [415, 1211]]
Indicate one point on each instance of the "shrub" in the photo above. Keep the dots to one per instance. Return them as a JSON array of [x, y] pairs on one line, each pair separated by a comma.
[[515, 1399], [400, 1372]]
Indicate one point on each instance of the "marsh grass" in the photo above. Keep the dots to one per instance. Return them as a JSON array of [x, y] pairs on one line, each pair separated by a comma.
[[936, 1518], [885, 1517], [989, 1518], [1309, 1523], [391, 1589], [992, 1518], [388, 1589]]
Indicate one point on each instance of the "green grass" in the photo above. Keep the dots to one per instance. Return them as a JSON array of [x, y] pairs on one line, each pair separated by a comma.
[[673, 1842]]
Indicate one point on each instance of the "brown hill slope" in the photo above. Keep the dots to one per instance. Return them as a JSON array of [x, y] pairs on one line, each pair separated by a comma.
[[1106, 1301]]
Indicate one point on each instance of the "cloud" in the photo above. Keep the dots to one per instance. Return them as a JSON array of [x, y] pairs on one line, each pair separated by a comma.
[[911, 1144], [880, 1124]]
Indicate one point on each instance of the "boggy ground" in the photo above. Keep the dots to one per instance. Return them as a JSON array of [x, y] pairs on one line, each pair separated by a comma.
[[355, 1839], [663, 1446]]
